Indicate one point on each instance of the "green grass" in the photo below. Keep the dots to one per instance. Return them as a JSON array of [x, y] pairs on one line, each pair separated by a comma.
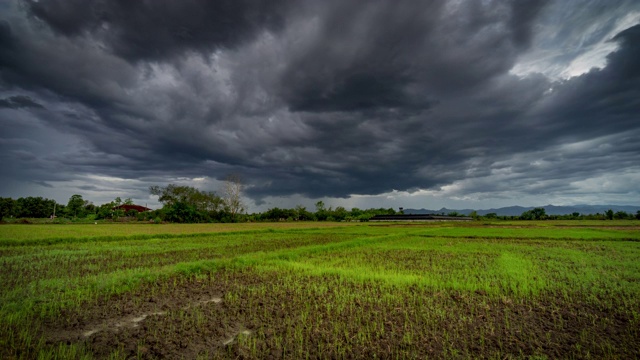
[[329, 290]]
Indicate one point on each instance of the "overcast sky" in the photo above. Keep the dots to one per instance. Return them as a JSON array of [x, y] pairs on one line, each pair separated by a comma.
[[423, 104]]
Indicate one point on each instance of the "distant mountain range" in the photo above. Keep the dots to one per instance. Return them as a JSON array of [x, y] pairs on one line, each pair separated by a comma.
[[549, 209]]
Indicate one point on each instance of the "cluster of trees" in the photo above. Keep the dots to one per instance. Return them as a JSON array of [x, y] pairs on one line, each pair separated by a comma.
[[534, 214], [76, 208], [190, 205], [540, 214], [322, 213], [180, 204], [185, 204], [39, 207]]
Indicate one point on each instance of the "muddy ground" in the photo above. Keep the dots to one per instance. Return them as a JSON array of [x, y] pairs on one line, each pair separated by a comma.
[[221, 316]]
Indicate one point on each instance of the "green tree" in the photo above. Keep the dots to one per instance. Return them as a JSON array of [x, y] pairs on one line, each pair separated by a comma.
[[339, 214], [181, 212], [321, 213], [621, 215], [277, 214], [609, 214], [6, 207], [534, 214], [76, 205], [302, 214], [539, 213], [495, 216]]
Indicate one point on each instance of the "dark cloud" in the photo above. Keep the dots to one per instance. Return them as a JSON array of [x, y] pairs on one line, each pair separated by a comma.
[[43, 184], [623, 61], [139, 30], [390, 55], [6, 37], [320, 99], [18, 102], [602, 101]]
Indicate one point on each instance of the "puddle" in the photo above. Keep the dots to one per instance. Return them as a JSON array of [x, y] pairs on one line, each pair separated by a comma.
[[215, 300], [90, 332], [128, 322], [231, 339], [212, 300], [135, 321]]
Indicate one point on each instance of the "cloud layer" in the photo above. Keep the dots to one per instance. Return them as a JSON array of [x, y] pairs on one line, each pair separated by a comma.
[[321, 99]]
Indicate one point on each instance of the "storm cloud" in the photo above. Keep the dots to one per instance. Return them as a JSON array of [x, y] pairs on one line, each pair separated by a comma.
[[17, 102], [330, 99]]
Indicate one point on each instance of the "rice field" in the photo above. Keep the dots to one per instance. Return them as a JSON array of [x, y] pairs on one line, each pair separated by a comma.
[[541, 290]]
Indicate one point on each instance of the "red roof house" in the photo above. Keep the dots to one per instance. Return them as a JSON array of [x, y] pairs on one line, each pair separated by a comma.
[[137, 208]]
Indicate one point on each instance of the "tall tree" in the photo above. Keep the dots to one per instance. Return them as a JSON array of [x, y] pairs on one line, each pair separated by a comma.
[[6, 207], [75, 205], [232, 195], [609, 214], [321, 212], [539, 213]]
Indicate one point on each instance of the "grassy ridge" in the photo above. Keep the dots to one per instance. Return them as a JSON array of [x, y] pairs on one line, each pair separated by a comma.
[[21, 234], [425, 270]]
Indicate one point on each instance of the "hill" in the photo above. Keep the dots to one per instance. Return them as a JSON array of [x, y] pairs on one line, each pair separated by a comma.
[[518, 210]]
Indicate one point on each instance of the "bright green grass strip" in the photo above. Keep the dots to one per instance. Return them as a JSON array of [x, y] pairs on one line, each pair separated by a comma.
[[115, 230], [101, 239], [435, 269], [496, 266], [399, 278], [518, 273]]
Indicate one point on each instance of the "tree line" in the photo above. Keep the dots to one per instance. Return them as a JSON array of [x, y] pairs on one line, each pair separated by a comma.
[[540, 213], [186, 204], [181, 204]]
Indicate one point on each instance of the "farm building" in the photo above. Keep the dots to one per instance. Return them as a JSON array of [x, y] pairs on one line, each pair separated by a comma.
[[419, 217], [127, 208]]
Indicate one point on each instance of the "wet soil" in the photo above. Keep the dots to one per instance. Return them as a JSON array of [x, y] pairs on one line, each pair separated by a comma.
[[230, 315]]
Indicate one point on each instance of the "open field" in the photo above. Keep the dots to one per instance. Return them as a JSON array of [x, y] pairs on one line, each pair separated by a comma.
[[321, 290]]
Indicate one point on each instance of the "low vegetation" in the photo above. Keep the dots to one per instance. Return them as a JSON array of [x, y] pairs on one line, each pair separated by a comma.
[[298, 290], [186, 204]]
